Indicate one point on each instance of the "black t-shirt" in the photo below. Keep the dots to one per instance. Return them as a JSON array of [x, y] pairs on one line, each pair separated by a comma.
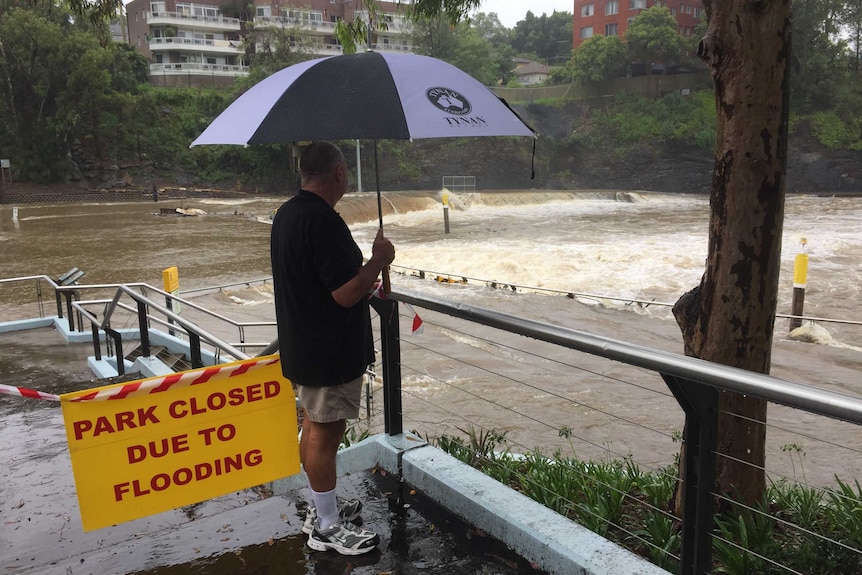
[[313, 253]]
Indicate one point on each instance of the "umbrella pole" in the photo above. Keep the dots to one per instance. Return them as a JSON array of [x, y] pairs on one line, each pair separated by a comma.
[[387, 286]]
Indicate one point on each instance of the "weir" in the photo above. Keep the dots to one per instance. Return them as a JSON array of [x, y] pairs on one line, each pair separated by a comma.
[[551, 541]]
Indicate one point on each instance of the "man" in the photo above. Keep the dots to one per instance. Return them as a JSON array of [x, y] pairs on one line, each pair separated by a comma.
[[324, 333]]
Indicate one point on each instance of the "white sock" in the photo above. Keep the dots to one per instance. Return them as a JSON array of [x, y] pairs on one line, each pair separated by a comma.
[[327, 507]]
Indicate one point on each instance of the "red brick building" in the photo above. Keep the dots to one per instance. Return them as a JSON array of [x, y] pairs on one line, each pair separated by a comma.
[[613, 17]]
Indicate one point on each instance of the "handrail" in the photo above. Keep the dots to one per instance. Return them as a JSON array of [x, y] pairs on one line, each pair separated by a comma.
[[694, 383], [797, 395], [189, 327]]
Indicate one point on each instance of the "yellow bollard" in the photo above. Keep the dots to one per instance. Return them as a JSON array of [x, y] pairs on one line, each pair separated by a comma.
[[171, 281], [800, 277]]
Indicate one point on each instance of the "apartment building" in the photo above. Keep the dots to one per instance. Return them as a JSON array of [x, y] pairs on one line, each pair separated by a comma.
[[187, 41], [315, 20], [193, 43], [613, 17]]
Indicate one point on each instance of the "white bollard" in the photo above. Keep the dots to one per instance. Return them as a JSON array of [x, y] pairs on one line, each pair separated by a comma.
[[14, 214]]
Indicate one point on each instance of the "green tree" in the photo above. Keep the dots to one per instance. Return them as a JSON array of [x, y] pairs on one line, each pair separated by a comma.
[[491, 29], [818, 69], [598, 58], [55, 80], [653, 38], [269, 49], [851, 19], [453, 10], [549, 38], [463, 46]]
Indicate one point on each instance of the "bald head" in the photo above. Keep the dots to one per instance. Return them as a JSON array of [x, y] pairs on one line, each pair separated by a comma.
[[319, 161]]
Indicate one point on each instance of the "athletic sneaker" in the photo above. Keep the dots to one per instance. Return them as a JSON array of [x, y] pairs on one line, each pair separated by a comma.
[[346, 538], [348, 510]]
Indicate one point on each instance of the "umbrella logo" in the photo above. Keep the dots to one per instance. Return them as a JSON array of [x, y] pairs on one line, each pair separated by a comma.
[[449, 101]]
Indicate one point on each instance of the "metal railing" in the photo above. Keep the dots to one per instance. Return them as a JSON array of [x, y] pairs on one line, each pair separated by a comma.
[[100, 314], [695, 384], [231, 23], [144, 308]]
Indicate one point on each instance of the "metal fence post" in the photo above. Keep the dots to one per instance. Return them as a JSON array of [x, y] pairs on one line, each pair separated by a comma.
[[390, 342], [195, 350], [700, 403], [144, 329]]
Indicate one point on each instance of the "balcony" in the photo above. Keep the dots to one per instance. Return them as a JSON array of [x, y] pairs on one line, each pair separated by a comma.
[[198, 45], [301, 24], [392, 48], [186, 68], [193, 21]]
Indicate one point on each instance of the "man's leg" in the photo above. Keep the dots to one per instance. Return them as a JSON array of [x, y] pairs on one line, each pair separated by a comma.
[[318, 449]]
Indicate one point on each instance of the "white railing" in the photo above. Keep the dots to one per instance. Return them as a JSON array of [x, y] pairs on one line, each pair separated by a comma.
[[234, 46], [301, 23], [198, 67], [155, 17]]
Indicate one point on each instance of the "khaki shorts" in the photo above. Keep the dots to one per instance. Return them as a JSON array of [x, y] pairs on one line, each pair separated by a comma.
[[331, 403]]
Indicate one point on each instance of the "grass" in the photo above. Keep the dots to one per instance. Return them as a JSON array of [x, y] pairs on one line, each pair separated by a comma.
[[797, 528]]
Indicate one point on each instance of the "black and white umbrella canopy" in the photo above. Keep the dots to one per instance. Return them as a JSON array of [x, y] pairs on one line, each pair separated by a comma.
[[368, 95]]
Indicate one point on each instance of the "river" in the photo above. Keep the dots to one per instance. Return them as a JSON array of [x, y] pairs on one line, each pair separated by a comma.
[[607, 249]]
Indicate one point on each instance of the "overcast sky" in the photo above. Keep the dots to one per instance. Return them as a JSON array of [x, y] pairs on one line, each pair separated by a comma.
[[511, 11]]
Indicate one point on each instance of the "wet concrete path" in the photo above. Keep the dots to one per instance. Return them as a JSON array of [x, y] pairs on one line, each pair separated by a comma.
[[247, 532]]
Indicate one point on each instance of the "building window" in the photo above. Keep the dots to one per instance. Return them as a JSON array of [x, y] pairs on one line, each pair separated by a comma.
[[673, 11], [698, 12], [610, 29], [637, 4], [688, 8], [586, 32], [612, 7], [687, 31], [264, 11], [587, 10]]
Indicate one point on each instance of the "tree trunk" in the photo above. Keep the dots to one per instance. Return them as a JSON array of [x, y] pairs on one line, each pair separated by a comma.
[[729, 318]]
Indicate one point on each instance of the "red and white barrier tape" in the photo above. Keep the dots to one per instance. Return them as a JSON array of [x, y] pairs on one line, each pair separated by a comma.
[[152, 385], [24, 392]]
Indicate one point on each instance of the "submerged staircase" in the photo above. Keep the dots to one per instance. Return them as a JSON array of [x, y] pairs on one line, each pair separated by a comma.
[[174, 361]]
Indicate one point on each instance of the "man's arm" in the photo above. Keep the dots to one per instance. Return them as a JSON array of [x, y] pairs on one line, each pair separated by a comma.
[[382, 254]]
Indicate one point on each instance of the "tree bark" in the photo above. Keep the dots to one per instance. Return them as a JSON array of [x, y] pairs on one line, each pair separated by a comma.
[[729, 317]]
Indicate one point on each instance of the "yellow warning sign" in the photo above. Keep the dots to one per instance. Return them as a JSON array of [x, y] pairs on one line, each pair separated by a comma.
[[156, 444]]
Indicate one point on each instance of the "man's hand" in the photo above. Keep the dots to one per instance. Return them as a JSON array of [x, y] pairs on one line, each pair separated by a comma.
[[382, 254], [382, 250]]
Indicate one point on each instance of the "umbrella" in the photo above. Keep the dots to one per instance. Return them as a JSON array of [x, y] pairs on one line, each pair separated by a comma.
[[368, 95]]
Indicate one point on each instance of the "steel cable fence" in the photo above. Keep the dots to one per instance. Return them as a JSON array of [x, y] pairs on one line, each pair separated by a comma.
[[478, 382]]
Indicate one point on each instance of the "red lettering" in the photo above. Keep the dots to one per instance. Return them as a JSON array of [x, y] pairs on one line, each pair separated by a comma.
[[119, 489], [182, 476], [160, 482], [125, 419], [147, 416], [180, 443], [207, 433], [80, 427], [195, 410], [176, 411], [136, 453], [102, 426], [216, 401], [236, 396], [253, 392], [136, 487], [271, 389]]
